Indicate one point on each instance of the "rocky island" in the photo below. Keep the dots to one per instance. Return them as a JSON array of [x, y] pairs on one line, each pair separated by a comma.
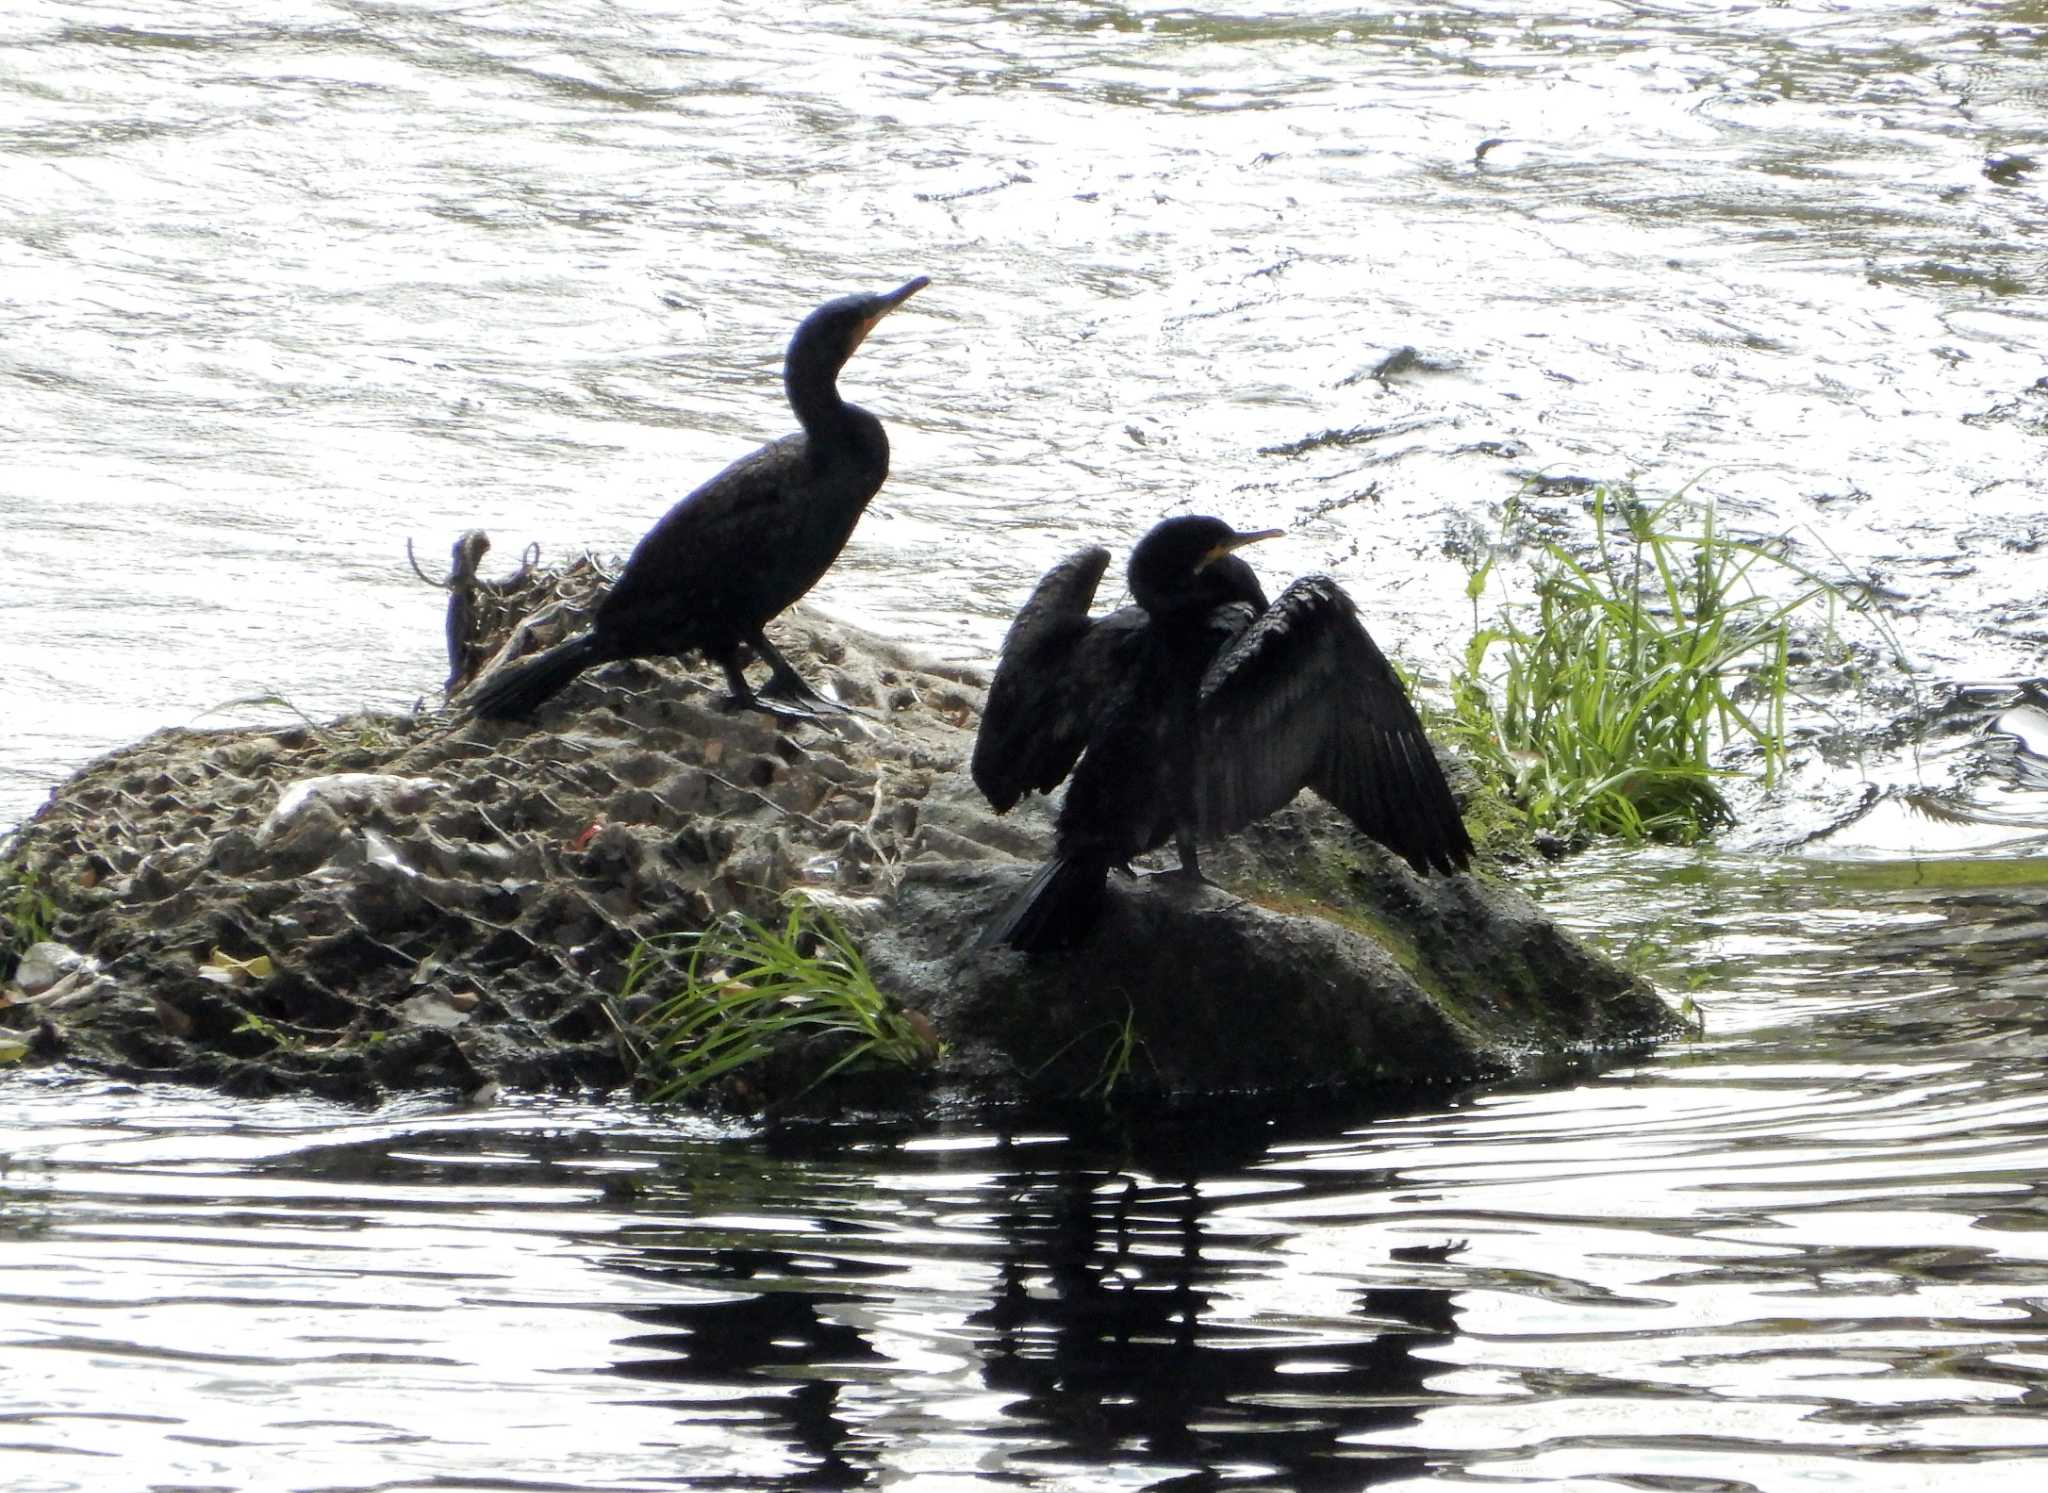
[[398, 902]]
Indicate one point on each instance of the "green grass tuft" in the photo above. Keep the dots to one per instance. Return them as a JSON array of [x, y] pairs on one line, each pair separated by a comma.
[[29, 912], [1600, 701], [749, 989]]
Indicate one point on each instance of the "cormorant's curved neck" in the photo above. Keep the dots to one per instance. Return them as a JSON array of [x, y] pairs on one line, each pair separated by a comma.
[[810, 377]]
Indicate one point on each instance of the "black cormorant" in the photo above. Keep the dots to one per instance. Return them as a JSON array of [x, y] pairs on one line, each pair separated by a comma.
[[743, 546], [1192, 713]]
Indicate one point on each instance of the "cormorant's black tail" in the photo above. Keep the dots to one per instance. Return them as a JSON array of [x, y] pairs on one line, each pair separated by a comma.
[[1057, 908], [520, 686]]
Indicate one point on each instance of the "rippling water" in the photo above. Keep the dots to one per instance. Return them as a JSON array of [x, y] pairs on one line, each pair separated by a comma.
[[1808, 1249], [283, 286]]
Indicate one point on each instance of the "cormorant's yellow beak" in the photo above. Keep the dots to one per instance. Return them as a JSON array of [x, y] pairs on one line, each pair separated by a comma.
[[1236, 541], [889, 303], [904, 292]]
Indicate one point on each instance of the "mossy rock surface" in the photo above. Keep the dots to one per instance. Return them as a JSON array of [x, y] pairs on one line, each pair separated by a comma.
[[393, 903], [1320, 965]]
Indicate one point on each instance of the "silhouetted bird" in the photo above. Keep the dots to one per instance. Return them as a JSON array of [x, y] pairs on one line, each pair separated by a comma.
[[1191, 714], [742, 547]]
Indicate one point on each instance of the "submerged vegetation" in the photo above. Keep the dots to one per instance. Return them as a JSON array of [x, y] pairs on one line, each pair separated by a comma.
[[1119, 1054], [751, 992], [1601, 700]]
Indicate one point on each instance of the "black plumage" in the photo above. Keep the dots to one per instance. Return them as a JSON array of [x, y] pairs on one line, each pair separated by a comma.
[[1192, 713], [744, 545]]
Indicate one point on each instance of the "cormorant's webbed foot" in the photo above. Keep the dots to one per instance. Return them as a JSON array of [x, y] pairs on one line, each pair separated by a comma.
[[774, 701], [1184, 874], [732, 704], [787, 687], [1189, 871], [793, 693]]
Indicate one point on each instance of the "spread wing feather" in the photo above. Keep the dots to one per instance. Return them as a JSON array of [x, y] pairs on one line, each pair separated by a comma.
[[1305, 699], [1056, 670]]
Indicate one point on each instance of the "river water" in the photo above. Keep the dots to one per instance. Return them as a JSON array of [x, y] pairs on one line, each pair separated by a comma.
[[284, 286]]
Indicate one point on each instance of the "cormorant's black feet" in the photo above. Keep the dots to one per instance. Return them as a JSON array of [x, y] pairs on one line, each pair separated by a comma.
[[1183, 875], [776, 709], [796, 695], [799, 704]]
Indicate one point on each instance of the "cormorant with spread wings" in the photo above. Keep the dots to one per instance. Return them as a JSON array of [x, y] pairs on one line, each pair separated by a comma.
[[1190, 714]]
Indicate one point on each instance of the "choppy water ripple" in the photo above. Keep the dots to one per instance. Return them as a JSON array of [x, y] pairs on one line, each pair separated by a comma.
[[288, 285]]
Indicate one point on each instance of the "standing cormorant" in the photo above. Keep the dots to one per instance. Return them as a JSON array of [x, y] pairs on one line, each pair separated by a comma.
[[743, 546], [1191, 714]]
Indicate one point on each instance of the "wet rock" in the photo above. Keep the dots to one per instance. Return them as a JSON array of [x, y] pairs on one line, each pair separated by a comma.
[[350, 797], [44, 964], [2008, 169], [437, 1008], [1336, 969]]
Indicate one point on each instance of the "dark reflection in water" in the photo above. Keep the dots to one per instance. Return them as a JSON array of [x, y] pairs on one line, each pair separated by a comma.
[[742, 1341], [1096, 1335], [1118, 1355]]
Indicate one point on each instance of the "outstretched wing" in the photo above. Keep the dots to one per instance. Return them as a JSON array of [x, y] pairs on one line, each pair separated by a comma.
[[1305, 699], [1057, 669]]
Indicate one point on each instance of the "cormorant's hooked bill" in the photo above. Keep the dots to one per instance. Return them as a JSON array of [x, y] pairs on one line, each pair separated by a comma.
[[1235, 542], [746, 544], [1193, 713], [884, 304]]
